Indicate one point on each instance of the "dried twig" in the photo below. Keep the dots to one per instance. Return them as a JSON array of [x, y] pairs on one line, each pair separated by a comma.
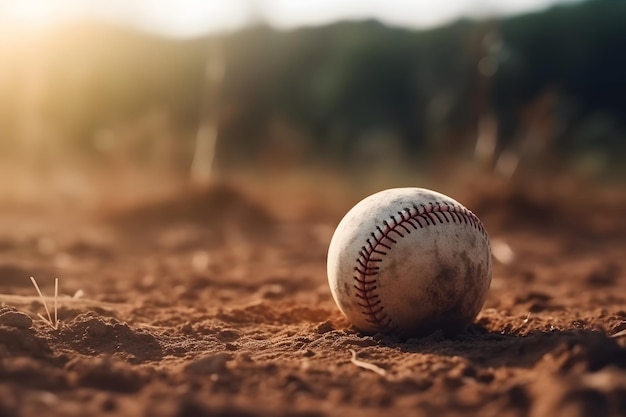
[[54, 324], [56, 298], [361, 364]]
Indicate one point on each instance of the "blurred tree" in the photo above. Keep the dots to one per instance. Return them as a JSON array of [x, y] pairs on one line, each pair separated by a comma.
[[531, 82]]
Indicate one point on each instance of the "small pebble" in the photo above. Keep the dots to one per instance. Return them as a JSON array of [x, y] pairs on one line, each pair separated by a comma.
[[325, 327], [210, 364], [231, 346]]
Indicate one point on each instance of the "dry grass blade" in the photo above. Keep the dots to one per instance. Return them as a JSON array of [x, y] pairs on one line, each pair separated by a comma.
[[56, 298], [365, 365], [45, 305]]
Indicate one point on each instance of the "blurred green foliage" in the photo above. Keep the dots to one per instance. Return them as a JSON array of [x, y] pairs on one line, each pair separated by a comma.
[[332, 90]]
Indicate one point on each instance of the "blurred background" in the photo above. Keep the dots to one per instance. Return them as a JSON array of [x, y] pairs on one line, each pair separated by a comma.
[[143, 96]]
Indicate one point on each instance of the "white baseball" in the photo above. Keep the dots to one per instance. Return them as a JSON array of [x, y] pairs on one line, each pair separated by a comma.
[[409, 261]]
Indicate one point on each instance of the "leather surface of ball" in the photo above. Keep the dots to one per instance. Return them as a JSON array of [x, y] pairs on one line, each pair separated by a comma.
[[409, 261]]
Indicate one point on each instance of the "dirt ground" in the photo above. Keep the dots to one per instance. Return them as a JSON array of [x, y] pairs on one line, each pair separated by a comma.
[[216, 303]]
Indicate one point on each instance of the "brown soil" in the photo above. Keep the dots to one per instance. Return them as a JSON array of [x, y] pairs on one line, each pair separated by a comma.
[[216, 303]]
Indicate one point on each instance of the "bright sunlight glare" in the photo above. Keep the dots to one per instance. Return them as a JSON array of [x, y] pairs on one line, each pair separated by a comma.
[[190, 18], [29, 12]]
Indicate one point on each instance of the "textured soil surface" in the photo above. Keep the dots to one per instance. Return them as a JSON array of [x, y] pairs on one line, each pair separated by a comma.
[[216, 303]]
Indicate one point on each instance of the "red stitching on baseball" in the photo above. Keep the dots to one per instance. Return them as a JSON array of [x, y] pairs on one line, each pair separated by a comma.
[[365, 283]]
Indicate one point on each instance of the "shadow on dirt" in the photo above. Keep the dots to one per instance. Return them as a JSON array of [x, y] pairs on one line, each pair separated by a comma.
[[590, 350]]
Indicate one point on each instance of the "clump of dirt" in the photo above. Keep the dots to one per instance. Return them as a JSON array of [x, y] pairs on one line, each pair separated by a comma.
[[105, 374], [14, 318], [17, 337], [90, 335], [217, 207]]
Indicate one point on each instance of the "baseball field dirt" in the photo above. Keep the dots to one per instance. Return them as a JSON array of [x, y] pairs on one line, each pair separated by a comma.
[[215, 302]]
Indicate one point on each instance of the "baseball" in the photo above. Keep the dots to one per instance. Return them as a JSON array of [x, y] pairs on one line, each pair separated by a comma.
[[409, 261]]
